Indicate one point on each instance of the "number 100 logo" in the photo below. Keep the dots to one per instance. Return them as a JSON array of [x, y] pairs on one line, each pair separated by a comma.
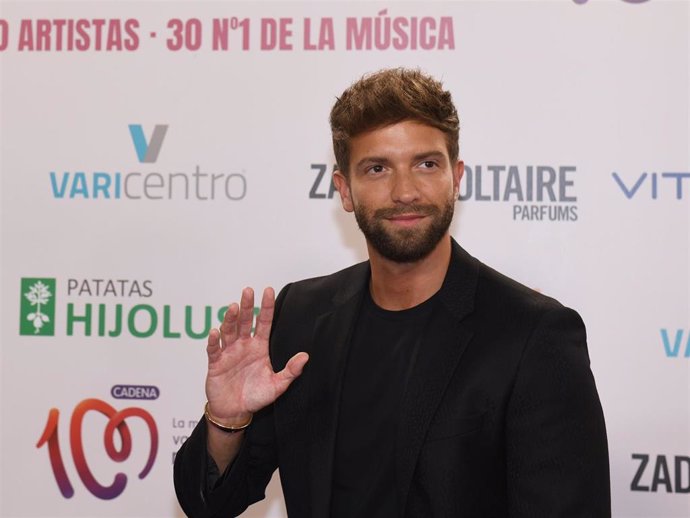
[[116, 425]]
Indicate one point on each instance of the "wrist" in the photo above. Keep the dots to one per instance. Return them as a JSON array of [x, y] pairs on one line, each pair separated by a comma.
[[232, 425]]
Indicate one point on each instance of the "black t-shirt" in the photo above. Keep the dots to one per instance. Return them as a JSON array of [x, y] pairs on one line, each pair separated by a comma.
[[381, 357]]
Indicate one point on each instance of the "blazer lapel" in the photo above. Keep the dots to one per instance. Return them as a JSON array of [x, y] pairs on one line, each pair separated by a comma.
[[332, 334], [436, 361]]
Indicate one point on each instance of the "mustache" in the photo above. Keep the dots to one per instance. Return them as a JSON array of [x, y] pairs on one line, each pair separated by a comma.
[[421, 210]]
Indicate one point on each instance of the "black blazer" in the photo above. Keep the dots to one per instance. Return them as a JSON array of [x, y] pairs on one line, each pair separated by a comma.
[[500, 417]]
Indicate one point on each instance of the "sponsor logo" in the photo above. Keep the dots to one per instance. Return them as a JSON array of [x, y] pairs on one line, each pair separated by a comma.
[[110, 308], [676, 345], [147, 152], [152, 185], [117, 442], [37, 308], [661, 473], [106, 287], [323, 186], [135, 392], [534, 193], [655, 186]]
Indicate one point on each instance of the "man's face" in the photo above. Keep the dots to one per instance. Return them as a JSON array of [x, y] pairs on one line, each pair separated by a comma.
[[402, 188]]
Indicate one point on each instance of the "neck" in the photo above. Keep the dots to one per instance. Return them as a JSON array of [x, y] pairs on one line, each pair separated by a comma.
[[395, 286]]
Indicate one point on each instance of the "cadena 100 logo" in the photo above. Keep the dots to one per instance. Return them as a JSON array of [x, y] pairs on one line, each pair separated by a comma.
[[116, 424]]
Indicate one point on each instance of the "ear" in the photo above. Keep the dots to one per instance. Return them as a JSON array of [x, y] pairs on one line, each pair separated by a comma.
[[343, 185], [458, 171]]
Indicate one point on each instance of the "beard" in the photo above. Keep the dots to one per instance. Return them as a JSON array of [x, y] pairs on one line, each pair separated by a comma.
[[405, 245]]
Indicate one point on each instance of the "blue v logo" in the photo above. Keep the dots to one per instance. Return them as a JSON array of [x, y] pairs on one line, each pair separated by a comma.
[[147, 152]]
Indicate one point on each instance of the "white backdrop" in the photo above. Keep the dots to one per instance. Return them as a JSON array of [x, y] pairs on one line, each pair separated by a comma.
[[121, 239]]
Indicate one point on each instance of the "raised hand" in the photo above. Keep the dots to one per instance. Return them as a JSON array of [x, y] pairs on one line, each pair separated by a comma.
[[240, 379]]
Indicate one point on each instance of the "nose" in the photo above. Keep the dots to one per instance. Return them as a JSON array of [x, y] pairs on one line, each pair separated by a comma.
[[404, 187]]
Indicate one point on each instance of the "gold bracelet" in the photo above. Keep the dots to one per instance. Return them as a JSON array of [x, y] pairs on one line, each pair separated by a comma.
[[228, 429]]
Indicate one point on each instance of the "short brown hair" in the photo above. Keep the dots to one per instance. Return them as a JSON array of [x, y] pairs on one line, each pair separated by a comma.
[[387, 97]]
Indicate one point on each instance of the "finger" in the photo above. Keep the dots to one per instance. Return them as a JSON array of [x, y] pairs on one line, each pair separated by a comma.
[[246, 313], [213, 345], [228, 329], [292, 370], [265, 318]]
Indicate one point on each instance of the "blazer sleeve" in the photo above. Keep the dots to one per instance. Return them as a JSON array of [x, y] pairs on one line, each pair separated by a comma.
[[245, 480], [242, 484], [556, 447]]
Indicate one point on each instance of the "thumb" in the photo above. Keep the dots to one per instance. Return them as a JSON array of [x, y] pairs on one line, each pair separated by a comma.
[[292, 370]]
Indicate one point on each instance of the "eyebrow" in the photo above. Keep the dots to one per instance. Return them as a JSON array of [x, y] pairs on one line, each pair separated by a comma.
[[428, 154], [383, 160], [371, 160]]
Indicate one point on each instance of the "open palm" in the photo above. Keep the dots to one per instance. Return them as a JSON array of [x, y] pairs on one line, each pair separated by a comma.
[[240, 379]]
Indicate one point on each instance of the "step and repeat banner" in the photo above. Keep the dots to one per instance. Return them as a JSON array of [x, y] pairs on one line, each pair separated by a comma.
[[159, 156]]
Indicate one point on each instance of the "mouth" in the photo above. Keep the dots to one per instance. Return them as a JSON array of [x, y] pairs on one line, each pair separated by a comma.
[[406, 220], [405, 217]]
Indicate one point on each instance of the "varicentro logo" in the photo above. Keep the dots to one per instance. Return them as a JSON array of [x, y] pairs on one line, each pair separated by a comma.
[[676, 343], [144, 185], [147, 152]]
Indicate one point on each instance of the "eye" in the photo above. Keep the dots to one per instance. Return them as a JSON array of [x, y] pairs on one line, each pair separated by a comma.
[[428, 164], [375, 169]]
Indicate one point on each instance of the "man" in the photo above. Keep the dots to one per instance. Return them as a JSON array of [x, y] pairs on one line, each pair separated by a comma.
[[434, 386]]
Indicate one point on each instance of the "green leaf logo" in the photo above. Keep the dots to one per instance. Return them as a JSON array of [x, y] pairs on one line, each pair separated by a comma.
[[37, 313]]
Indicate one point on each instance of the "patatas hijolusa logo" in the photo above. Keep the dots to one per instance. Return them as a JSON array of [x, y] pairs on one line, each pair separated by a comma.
[[37, 307]]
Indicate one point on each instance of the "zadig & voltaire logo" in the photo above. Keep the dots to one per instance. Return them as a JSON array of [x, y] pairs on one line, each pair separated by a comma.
[[538, 193]]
